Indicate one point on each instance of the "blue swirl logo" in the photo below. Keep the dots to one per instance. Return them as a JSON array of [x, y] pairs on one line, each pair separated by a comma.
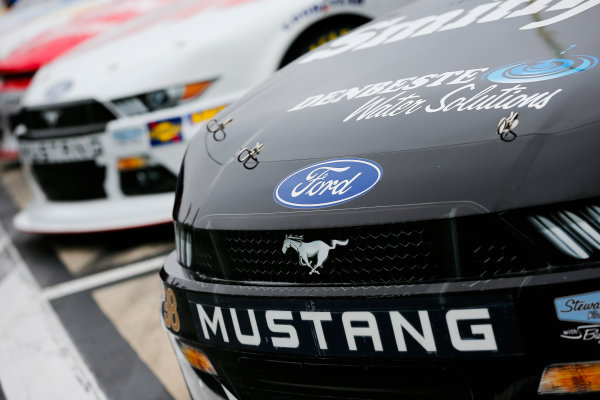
[[541, 70], [328, 183]]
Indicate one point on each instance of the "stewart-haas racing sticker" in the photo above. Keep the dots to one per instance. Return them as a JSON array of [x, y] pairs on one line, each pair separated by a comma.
[[583, 308], [424, 327], [579, 308], [468, 90]]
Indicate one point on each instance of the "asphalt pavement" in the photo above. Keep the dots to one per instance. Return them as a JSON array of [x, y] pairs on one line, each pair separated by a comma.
[[82, 318]]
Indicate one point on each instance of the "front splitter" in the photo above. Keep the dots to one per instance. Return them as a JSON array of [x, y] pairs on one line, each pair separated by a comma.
[[95, 215]]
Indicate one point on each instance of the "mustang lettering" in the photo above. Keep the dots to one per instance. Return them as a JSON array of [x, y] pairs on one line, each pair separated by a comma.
[[362, 330]]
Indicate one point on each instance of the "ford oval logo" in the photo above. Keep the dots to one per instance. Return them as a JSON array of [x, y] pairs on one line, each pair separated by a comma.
[[328, 183], [58, 89]]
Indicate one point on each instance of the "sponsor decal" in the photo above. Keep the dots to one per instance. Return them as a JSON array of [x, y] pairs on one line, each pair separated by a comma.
[[165, 132], [312, 254], [128, 135], [58, 89], [396, 29], [318, 8], [541, 70], [406, 327], [579, 308], [328, 183], [584, 333], [405, 96], [205, 115]]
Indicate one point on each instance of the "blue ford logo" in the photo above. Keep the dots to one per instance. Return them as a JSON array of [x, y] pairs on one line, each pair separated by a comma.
[[58, 89], [328, 183]]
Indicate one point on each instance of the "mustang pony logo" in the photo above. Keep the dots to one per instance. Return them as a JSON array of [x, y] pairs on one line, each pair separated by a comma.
[[306, 251], [51, 117]]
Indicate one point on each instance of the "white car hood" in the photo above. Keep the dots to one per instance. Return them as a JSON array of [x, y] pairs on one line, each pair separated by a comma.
[[190, 42]]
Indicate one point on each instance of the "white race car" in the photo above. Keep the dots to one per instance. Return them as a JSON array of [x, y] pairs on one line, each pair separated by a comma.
[[106, 126]]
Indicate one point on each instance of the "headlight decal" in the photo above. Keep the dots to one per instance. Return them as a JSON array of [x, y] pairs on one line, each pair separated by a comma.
[[161, 99]]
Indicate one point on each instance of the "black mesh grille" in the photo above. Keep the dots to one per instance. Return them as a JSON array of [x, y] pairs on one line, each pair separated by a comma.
[[478, 247], [494, 251], [71, 181], [66, 119], [371, 255]]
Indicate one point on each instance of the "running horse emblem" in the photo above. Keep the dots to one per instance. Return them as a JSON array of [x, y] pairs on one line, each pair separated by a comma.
[[306, 251]]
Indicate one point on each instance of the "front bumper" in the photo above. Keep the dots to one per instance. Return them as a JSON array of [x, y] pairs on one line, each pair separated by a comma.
[[95, 215], [476, 340], [79, 182]]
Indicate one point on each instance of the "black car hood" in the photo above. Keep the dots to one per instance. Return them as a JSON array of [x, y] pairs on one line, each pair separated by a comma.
[[420, 94]]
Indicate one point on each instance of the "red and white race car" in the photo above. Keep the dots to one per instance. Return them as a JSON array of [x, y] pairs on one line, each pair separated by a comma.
[[51, 29]]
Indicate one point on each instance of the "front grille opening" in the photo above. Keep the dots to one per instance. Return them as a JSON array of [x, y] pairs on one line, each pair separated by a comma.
[[148, 180], [490, 249], [468, 248], [70, 181], [66, 119], [372, 255]]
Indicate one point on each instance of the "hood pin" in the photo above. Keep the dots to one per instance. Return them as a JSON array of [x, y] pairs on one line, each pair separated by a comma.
[[506, 126], [247, 156], [215, 127]]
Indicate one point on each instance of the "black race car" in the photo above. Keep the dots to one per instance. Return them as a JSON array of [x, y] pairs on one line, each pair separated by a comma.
[[410, 211]]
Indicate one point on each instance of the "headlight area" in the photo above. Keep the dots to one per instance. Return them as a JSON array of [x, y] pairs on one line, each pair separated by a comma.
[[571, 378], [162, 98]]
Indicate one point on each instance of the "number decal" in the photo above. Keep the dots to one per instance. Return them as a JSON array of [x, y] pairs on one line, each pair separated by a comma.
[[170, 314]]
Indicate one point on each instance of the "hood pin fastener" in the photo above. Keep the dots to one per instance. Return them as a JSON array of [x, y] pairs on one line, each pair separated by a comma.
[[506, 126], [215, 127], [247, 156]]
